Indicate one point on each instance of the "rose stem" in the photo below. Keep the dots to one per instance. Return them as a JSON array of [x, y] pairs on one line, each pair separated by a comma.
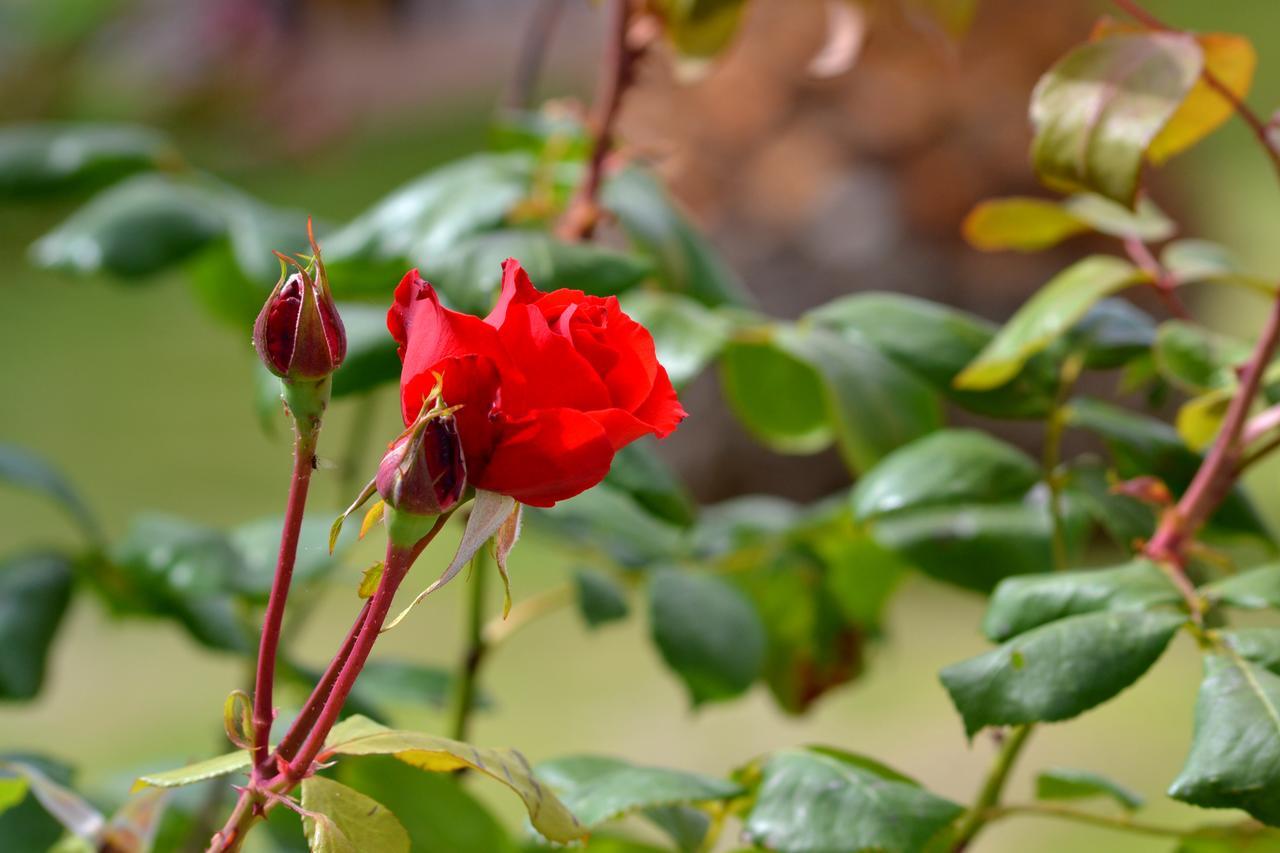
[[469, 667], [304, 448]]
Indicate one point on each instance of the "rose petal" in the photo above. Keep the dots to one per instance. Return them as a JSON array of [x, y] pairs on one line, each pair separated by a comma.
[[549, 455], [556, 375], [517, 289]]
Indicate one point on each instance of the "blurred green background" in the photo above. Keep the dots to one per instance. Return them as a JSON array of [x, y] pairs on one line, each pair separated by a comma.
[[147, 405]]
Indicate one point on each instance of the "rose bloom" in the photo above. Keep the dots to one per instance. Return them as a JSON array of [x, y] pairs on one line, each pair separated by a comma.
[[550, 385]]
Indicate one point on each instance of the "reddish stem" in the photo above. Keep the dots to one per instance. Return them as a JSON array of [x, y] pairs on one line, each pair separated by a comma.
[[620, 59], [304, 447], [1161, 279]]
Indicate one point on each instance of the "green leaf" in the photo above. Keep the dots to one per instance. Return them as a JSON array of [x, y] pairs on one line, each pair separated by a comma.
[[810, 800], [1060, 783], [35, 590], [600, 598], [39, 159], [1023, 603], [25, 470], [210, 768], [1205, 262], [975, 546], [436, 810], [649, 481], [395, 682], [425, 218], [13, 790], [707, 631], [258, 546], [742, 522], [1126, 520], [1235, 751], [361, 736], [1054, 309], [1259, 645], [803, 387], [1059, 670], [1244, 837], [1256, 589], [684, 261], [606, 520], [135, 229], [1111, 334], [1099, 108], [947, 467], [1196, 359], [687, 334], [687, 826], [936, 342], [1145, 221], [468, 273], [343, 820], [371, 352], [598, 789]]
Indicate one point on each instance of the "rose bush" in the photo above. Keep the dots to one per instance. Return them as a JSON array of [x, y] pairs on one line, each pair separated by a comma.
[[548, 387]]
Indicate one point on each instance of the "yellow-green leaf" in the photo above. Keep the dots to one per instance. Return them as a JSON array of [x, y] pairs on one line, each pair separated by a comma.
[[1229, 58], [198, 772], [1200, 418], [1100, 107], [369, 580], [1054, 309], [361, 736], [372, 517], [1021, 224], [343, 820]]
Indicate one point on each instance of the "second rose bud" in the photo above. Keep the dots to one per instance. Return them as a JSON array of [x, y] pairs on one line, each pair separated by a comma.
[[423, 473]]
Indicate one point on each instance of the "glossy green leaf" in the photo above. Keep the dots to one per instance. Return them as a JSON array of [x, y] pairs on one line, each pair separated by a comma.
[[343, 820], [817, 799], [1235, 750], [605, 520], [1088, 484], [361, 736], [1099, 108], [438, 812], [371, 352], [211, 768], [642, 474], [1246, 836], [1060, 783], [686, 826], [598, 789], [468, 273], [25, 470], [1053, 310], [804, 387], [1145, 221], [743, 522], [54, 157], [1256, 589], [1058, 670], [1196, 359], [936, 342], [1258, 645], [35, 590], [600, 598], [1023, 603], [1205, 262], [135, 229], [686, 334], [708, 633], [975, 546], [1111, 334], [684, 261], [947, 467]]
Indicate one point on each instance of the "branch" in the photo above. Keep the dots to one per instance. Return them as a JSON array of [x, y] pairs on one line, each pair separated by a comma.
[[1161, 279], [989, 797], [1123, 824]]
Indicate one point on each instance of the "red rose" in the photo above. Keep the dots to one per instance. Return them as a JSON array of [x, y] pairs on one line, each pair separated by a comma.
[[550, 385]]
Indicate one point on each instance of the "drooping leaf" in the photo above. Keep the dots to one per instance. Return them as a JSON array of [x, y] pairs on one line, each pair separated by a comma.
[[343, 820], [1060, 783], [649, 481], [55, 157], [946, 467], [1256, 589], [598, 789], [687, 334], [211, 768], [135, 229], [936, 342], [22, 468], [1058, 670], [35, 590], [600, 598], [818, 799], [1231, 60], [1021, 224], [707, 632], [1235, 750], [437, 812], [1053, 310], [1023, 603], [359, 736], [976, 546], [685, 262], [1098, 110]]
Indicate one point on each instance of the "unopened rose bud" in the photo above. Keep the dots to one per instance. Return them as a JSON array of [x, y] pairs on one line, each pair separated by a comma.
[[298, 334], [423, 472]]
